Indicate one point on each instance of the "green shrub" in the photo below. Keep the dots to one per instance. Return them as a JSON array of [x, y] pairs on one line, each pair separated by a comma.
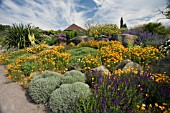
[[42, 86], [81, 52], [73, 76], [157, 28], [52, 32], [62, 98], [51, 41], [103, 29], [44, 38], [71, 34]]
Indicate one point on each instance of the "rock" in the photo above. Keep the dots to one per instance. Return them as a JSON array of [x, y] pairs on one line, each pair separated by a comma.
[[74, 67], [161, 65], [128, 64], [125, 39], [79, 39], [103, 38], [122, 64], [133, 65], [102, 69]]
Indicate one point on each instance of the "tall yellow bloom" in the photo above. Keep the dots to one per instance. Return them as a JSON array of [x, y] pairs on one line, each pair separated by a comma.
[[31, 38]]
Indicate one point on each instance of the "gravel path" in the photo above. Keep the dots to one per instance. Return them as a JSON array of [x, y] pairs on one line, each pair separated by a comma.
[[13, 99]]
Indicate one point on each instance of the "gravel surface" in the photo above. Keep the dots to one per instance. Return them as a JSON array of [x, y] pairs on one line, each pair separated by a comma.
[[14, 100]]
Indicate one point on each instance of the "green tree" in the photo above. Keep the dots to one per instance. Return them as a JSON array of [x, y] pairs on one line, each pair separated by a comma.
[[122, 25], [121, 22], [157, 28], [3, 27]]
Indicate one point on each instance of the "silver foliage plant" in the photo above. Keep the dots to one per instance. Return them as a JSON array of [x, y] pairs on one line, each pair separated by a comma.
[[43, 85], [73, 76], [61, 99]]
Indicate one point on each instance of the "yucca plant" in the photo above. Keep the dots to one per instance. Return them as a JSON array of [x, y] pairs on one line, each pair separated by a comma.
[[16, 36]]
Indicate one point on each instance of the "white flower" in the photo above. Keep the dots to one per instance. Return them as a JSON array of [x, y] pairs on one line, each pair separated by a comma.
[[143, 105], [165, 48]]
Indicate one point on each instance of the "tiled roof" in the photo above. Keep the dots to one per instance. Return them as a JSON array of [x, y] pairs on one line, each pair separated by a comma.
[[75, 27]]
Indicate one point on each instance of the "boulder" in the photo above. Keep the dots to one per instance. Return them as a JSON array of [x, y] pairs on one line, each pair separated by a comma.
[[102, 69], [128, 64], [125, 39], [161, 65], [79, 39], [133, 65], [103, 38], [122, 64]]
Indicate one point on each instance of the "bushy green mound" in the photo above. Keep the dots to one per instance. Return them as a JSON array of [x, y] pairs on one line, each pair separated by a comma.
[[46, 74], [42, 86], [61, 99], [73, 76], [80, 53]]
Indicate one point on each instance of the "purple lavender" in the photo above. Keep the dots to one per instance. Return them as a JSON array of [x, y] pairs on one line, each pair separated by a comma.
[[62, 37], [146, 38], [121, 94]]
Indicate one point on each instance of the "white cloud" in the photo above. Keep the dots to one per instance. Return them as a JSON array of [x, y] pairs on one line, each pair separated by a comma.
[[49, 14], [133, 11], [99, 2], [59, 14]]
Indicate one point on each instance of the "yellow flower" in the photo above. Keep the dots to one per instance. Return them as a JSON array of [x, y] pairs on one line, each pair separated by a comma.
[[162, 107], [147, 95], [109, 86], [9, 77], [138, 106], [156, 105], [157, 58], [164, 104], [166, 111], [143, 108], [72, 44], [150, 105], [31, 38], [92, 79], [25, 79], [53, 63]]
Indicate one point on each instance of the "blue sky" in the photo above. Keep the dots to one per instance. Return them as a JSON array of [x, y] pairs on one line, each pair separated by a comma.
[[59, 14]]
